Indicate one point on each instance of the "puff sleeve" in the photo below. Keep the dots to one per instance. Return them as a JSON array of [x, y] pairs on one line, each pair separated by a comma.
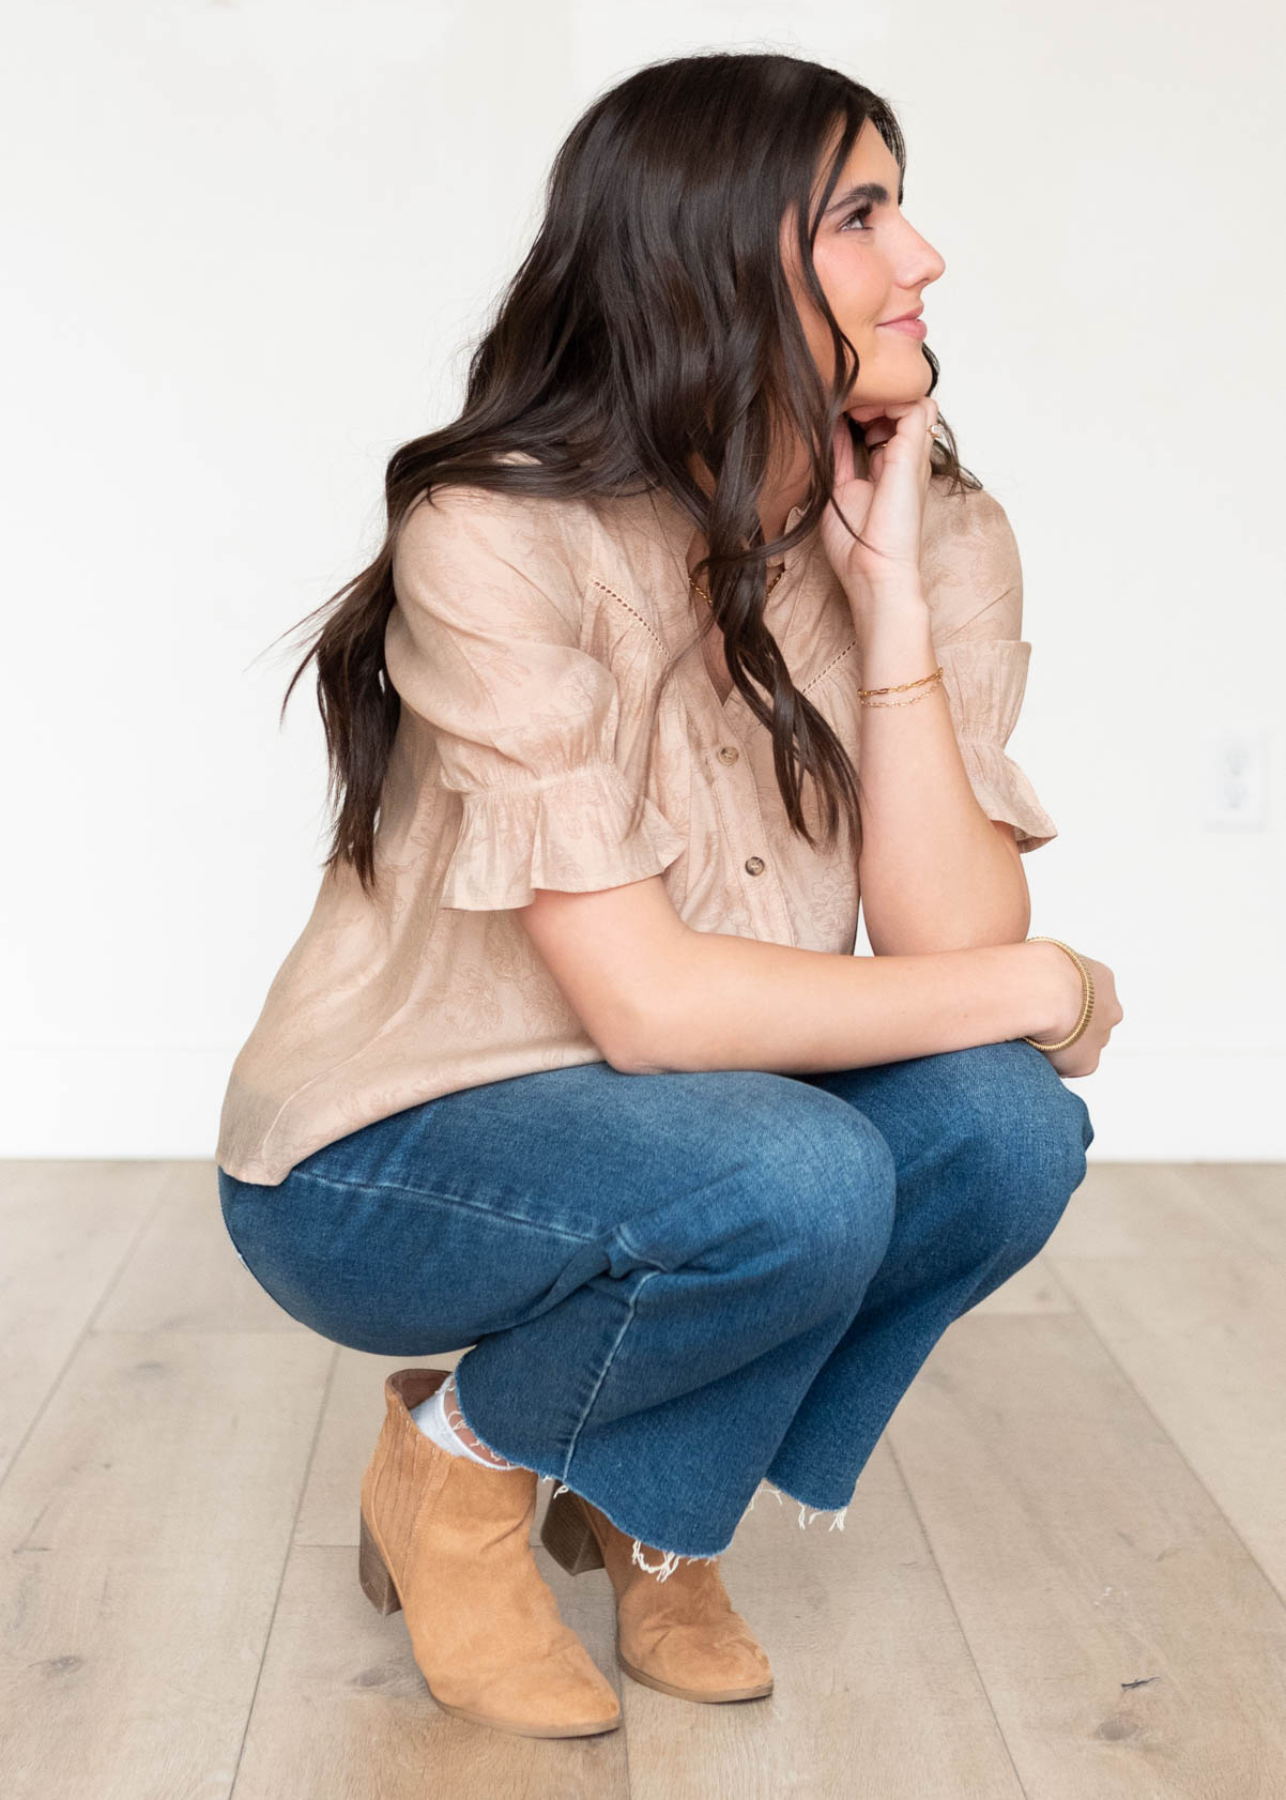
[[977, 632], [483, 643]]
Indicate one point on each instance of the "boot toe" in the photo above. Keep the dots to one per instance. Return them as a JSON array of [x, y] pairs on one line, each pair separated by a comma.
[[562, 1695], [701, 1661]]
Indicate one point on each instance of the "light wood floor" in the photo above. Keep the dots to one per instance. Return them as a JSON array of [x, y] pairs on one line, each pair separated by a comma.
[[1063, 1573]]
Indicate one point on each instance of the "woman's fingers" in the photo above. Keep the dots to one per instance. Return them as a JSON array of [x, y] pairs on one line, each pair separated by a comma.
[[882, 419], [881, 409], [844, 466]]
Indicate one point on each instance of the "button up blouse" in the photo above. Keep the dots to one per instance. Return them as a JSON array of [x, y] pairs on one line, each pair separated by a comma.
[[525, 645]]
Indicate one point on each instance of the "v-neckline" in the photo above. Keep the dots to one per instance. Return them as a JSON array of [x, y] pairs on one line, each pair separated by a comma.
[[678, 532], [721, 700]]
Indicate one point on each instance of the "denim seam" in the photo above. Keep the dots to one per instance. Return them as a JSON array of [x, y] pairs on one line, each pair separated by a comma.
[[589, 1404], [491, 1212]]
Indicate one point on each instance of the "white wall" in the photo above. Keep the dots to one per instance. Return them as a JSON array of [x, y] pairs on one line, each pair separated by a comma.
[[247, 246]]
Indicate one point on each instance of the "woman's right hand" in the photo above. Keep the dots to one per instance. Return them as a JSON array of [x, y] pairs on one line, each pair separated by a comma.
[[1081, 1058]]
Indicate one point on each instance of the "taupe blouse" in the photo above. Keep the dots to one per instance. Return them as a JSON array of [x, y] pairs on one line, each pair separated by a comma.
[[525, 645]]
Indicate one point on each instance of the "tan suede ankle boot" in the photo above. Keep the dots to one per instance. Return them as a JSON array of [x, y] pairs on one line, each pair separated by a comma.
[[679, 1635], [447, 1540]]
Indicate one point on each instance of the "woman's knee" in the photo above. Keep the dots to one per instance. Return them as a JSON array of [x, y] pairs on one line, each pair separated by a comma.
[[1030, 1133], [822, 1186]]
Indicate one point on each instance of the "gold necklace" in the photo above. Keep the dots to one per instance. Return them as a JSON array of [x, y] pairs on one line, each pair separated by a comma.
[[710, 603]]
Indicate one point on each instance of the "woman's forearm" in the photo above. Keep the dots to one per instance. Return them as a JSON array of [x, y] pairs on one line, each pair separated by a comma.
[[741, 1003], [934, 874]]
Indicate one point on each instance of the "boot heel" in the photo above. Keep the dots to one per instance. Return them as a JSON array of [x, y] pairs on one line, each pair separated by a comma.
[[372, 1572], [569, 1537]]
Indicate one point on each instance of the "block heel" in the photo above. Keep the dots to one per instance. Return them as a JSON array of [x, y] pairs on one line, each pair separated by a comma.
[[568, 1536], [372, 1572]]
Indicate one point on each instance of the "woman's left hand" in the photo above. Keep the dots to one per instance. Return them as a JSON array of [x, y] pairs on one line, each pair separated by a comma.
[[888, 510]]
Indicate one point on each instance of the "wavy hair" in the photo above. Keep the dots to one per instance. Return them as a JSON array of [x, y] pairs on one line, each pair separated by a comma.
[[651, 325]]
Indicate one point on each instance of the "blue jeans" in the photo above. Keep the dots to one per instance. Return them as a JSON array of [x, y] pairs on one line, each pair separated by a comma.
[[677, 1286]]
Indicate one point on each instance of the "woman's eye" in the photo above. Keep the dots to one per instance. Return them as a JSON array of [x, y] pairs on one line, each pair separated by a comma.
[[862, 212]]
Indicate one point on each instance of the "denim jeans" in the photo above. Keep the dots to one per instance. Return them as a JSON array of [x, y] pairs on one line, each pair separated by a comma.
[[672, 1287]]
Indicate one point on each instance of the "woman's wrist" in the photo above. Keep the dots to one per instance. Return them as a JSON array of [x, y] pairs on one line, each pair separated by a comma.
[[892, 597], [1058, 993], [894, 636]]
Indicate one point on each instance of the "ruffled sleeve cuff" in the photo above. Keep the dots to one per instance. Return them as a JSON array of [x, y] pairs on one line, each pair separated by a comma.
[[567, 832], [985, 679]]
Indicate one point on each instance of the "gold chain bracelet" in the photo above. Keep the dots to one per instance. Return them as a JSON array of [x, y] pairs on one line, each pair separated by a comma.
[[927, 682], [1087, 1002]]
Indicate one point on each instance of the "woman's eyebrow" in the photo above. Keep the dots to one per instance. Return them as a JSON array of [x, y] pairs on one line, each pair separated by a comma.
[[865, 190]]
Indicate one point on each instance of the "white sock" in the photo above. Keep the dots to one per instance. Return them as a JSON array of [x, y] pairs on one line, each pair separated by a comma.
[[434, 1419]]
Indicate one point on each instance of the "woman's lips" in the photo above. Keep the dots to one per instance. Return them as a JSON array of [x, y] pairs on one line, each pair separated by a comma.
[[915, 328]]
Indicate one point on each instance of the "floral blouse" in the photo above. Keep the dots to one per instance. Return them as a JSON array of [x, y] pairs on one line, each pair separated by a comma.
[[525, 645]]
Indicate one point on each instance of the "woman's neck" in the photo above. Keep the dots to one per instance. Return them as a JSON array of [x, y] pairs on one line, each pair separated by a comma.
[[779, 498]]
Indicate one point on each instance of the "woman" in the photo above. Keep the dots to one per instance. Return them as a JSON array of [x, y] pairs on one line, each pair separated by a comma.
[[573, 1064]]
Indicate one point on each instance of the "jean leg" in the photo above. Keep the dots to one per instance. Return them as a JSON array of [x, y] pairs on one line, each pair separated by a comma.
[[989, 1146], [677, 1373]]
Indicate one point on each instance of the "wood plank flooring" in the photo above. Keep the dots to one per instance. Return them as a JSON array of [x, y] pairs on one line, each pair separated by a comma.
[[1063, 1574]]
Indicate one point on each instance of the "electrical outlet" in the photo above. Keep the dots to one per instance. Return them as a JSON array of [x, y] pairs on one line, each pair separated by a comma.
[[1237, 779]]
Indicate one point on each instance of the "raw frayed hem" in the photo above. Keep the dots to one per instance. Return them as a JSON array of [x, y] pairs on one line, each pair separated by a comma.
[[670, 1559], [841, 1513]]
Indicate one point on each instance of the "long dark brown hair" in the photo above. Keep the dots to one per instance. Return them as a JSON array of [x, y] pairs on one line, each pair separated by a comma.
[[650, 325]]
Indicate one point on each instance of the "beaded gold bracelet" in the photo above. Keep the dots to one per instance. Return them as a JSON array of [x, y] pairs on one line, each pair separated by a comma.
[[926, 682], [1087, 1003]]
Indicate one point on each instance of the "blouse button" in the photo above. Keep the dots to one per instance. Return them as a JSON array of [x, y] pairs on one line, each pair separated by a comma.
[[728, 753], [754, 865]]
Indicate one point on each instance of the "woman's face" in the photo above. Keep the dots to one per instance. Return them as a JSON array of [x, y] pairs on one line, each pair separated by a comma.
[[873, 265]]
